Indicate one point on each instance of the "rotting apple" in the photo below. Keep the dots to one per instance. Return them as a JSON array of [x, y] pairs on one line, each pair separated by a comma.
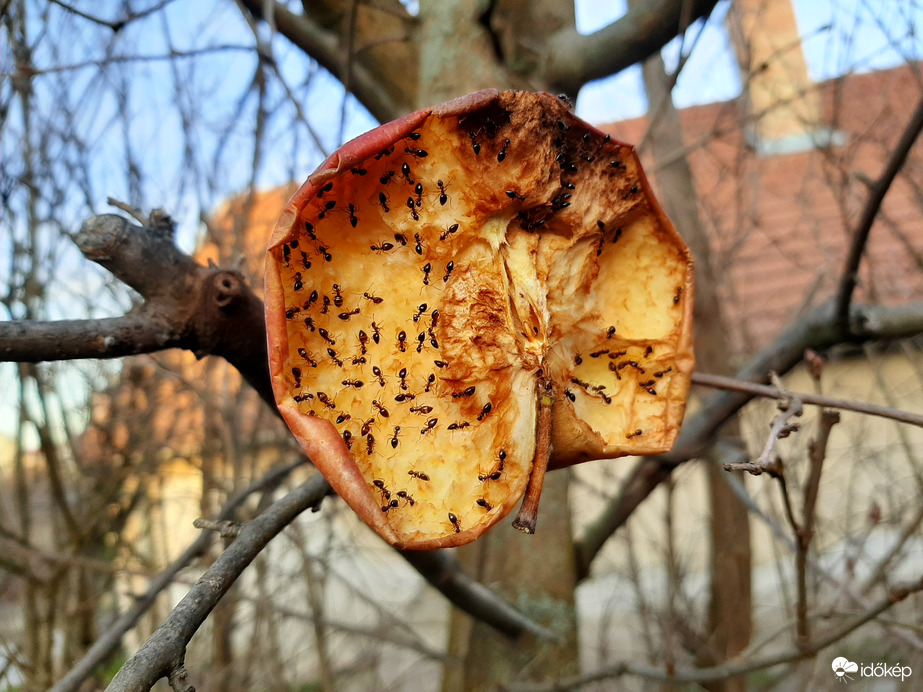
[[465, 296]]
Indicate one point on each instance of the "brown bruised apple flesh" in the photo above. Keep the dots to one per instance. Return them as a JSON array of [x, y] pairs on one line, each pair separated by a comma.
[[469, 293]]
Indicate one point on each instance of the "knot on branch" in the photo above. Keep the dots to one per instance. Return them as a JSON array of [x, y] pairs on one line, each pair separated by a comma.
[[226, 287]]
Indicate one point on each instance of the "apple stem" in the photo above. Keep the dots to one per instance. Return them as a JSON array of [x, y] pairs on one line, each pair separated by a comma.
[[528, 513]]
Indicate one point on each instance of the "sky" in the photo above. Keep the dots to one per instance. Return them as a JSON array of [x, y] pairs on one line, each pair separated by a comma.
[[840, 36]]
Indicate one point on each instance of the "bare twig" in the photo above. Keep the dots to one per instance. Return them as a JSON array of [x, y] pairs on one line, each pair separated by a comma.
[[741, 665], [877, 192], [225, 529], [770, 392], [781, 427], [106, 644], [166, 648]]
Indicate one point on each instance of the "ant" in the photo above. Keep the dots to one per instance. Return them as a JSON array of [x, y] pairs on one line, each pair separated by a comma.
[[449, 231], [418, 475], [325, 335], [419, 247], [376, 333], [383, 202], [348, 439], [363, 342], [346, 315], [423, 410], [466, 393], [377, 372], [353, 219], [461, 425], [502, 154], [384, 247], [454, 521], [448, 271], [443, 197], [420, 310], [381, 409], [358, 384], [397, 430], [385, 179], [497, 472], [403, 375], [325, 400], [401, 238], [333, 357], [374, 299], [413, 210], [427, 268], [485, 411], [430, 424], [402, 342]]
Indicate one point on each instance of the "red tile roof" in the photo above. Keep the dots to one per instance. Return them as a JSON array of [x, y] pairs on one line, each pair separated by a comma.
[[781, 224]]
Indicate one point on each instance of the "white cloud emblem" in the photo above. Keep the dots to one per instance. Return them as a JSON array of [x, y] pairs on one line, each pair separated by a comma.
[[841, 666]]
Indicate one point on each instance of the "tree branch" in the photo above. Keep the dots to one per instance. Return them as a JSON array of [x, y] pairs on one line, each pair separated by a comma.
[[164, 652], [111, 639], [380, 86], [815, 330], [740, 666], [572, 60], [770, 392], [877, 192], [203, 309]]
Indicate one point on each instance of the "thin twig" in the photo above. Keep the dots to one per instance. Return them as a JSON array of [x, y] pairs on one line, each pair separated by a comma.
[[770, 392], [850, 275], [106, 644], [741, 665]]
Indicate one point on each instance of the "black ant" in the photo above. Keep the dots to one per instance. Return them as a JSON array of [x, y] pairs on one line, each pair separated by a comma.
[[413, 210], [419, 246], [430, 381], [461, 425], [497, 472], [384, 247], [337, 298], [485, 411], [381, 409], [325, 400], [448, 271], [430, 424], [377, 372], [346, 315], [465, 393], [443, 197], [420, 310], [401, 238], [333, 357], [297, 285], [404, 396], [481, 502], [304, 354], [402, 341], [353, 219], [502, 154], [449, 231], [370, 446], [363, 341], [383, 202], [296, 373], [403, 375], [342, 418], [348, 439], [423, 410], [385, 179], [376, 333], [454, 521], [358, 384], [405, 171], [324, 190], [427, 268], [367, 426], [397, 430], [374, 299], [418, 475], [325, 335], [326, 307]]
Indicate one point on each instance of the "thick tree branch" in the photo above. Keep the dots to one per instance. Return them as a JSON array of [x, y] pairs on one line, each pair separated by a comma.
[[203, 309], [442, 570], [573, 60], [877, 192], [384, 88], [816, 330]]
